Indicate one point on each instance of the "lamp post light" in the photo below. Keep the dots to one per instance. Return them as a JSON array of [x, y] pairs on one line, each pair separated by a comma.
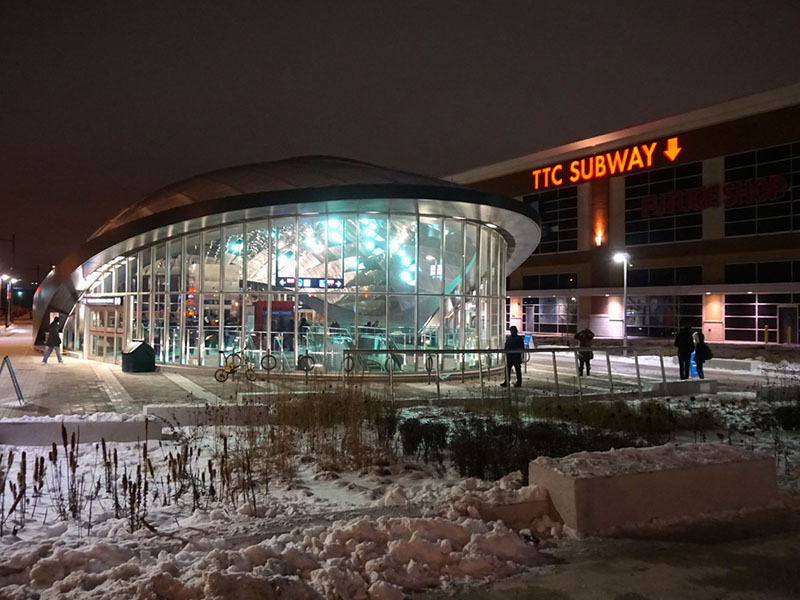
[[9, 298], [4, 279], [624, 257]]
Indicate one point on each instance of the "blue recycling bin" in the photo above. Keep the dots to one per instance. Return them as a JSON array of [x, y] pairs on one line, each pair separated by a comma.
[[693, 366]]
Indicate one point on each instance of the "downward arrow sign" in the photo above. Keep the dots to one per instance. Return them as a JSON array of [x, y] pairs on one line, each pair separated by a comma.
[[673, 149]]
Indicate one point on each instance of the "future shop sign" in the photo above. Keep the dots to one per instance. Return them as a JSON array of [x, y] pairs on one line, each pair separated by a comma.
[[640, 157]]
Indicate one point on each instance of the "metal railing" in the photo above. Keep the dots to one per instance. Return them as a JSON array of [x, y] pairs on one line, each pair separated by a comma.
[[433, 362]]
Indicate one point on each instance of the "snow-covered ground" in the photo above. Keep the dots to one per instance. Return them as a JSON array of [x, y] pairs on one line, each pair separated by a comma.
[[380, 532]]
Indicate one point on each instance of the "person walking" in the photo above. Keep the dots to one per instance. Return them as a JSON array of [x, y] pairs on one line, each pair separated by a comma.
[[514, 359], [702, 353], [585, 337], [685, 345], [53, 341]]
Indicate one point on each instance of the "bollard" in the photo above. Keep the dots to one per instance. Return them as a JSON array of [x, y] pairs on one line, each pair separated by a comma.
[[555, 376], [638, 376], [663, 371], [577, 369], [766, 334], [610, 377]]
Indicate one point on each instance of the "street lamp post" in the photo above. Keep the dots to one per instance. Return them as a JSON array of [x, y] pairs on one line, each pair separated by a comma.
[[623, 257]]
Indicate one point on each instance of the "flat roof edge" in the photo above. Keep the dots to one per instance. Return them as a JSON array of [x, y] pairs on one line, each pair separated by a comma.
[[711, 115]]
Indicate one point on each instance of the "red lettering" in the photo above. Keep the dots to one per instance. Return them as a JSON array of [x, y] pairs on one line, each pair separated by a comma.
[[574, 173], [599, 165], [616, 161], [556, 179], [648, 151], [636, 159], [536, 178], [586, 175]]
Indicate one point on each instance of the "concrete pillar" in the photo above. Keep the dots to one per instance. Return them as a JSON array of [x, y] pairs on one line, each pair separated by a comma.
[[713, 326]]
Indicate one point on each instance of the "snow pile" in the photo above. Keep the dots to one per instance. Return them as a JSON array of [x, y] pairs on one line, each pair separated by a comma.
[[100, 417], [377, 559], [640, 460]]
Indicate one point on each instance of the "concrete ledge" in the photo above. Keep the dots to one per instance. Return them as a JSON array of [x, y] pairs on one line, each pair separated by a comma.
[[45, 432], [600, 504], [687, 387], [193, 415]]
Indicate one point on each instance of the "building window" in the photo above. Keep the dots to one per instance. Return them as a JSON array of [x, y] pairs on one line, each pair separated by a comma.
[[644, 229], [552, 281], [554, 315], [665, 276], [766, 272], [662, 316], [558, 210], [780, 210], [746, 316]]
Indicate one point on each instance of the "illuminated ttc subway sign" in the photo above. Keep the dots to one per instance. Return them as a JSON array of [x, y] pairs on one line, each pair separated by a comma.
[[605, 164]]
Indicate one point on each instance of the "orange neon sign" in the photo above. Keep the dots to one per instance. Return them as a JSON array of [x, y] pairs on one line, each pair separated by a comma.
[[617, 162]]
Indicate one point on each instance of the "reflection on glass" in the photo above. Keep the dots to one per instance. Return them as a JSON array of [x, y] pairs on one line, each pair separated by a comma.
[[320, 284]]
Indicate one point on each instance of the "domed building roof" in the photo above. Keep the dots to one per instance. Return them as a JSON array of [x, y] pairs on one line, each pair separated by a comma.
[[298, 173]]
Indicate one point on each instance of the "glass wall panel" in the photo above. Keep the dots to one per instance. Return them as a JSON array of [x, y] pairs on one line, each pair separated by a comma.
[[211, 260], [453, 257], [284, 254], [402, 328], [311, 327], [343, 244], [108, 283], [258, 256], [430, 255], [160, 268], [174, 264], [401, 332], [483, 290], [233, 248], [210, 333], [256, 324], [173, 353], [194, 258], [146, 323], [191, 343], [341, 322], [133, 274], [372, 248], [471, 259], [453, 320], [157, 316], [119, 277], [145, 268], [402, 253], [282, 330], [232, 323], [371, 312], [312, 254]]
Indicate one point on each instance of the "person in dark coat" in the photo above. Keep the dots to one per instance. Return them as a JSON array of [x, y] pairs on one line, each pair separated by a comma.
[[53, 341], [702, 353], [514, 359], [685, 345], [585, 337]]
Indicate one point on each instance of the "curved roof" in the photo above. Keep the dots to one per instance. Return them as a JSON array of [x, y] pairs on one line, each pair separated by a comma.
[[297, 173], [303, 185]]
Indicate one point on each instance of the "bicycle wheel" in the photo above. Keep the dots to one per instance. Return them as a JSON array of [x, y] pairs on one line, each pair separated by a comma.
[[234, 359], [221, 375], [268, 362], [250, 374]]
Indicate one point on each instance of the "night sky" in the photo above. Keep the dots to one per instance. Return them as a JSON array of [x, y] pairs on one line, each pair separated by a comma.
[[102, 103]]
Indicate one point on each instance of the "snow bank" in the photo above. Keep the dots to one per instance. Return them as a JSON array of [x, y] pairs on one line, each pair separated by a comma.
[[640, 460], [377, 559]]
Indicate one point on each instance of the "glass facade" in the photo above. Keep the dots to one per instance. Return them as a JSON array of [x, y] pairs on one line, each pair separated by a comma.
[[305, 285]]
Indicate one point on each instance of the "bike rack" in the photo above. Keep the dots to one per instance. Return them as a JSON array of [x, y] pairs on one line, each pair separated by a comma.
[[7, 363]]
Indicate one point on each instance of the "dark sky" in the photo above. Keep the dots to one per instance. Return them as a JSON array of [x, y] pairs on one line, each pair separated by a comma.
[[102, 103]]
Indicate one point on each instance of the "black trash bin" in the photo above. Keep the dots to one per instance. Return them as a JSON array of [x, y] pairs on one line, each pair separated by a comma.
[[138, 357]]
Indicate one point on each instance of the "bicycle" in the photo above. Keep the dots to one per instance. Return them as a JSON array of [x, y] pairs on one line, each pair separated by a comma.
[[231, 368]]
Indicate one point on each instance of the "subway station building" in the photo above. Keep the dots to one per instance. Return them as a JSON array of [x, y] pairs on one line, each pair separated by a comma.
[[705, 204], [303, 257]]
